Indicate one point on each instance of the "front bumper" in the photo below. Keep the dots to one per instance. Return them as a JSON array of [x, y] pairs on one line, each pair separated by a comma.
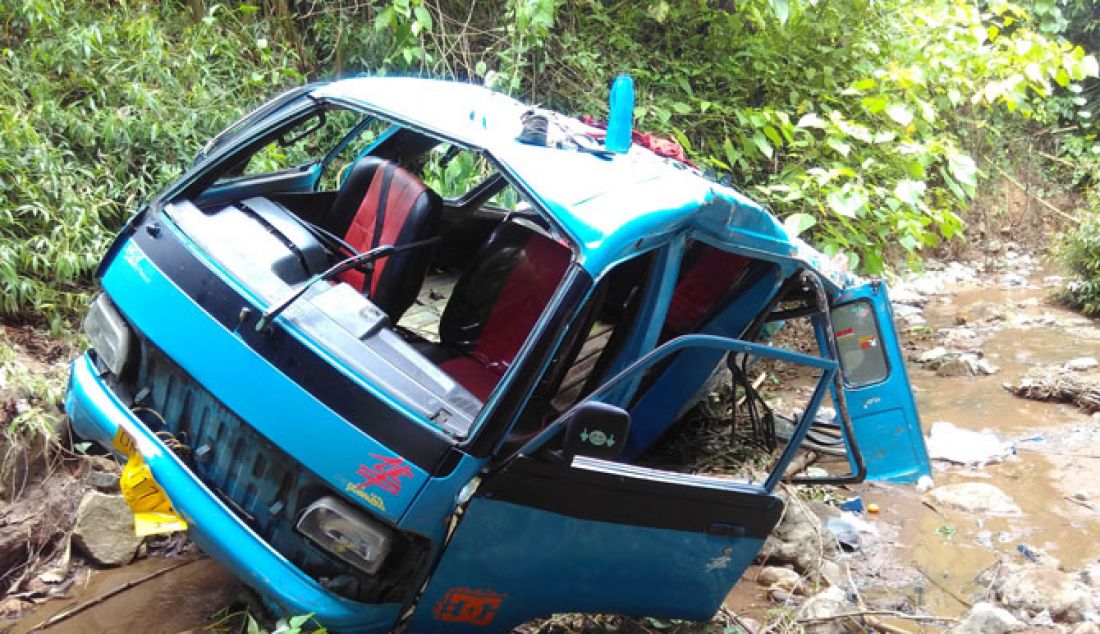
[[97, 414]]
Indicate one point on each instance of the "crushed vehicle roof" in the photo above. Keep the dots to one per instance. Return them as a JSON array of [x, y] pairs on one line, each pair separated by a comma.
[[603, 202]]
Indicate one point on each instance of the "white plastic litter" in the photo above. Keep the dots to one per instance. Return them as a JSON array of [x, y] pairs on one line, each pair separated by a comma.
[[924, 483], [962, 446]]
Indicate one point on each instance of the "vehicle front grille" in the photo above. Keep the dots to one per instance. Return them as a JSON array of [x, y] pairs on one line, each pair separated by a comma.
[[261, 483]]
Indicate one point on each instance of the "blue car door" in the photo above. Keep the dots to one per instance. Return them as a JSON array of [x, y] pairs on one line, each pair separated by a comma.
[[880, 400], [546, 533], [543, 537]]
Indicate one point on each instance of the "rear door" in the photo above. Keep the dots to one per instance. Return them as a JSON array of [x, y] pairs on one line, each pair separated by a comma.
[[880, 399]]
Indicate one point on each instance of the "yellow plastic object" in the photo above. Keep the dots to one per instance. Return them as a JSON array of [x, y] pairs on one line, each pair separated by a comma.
[[153, 512]]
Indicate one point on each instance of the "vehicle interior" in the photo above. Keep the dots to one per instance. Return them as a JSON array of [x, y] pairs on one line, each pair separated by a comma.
[[473, 266]]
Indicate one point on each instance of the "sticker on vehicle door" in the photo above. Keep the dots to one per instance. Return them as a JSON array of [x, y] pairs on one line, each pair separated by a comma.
[[385, 474], [464, 605]]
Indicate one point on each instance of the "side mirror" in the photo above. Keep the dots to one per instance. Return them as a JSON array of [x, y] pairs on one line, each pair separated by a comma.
[[596, 430]]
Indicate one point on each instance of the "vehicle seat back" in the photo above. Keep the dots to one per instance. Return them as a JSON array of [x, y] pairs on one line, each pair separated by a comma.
[[383, 204], [703, 284], [496, 302]]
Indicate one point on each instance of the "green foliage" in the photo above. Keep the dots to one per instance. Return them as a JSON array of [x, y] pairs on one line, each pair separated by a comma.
[[30, 397], [864, 136], [101, 106], [1080, 251], [859, 121], [292, 625]]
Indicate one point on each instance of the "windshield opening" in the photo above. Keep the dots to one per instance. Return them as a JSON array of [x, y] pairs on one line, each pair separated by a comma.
[[453, 267]]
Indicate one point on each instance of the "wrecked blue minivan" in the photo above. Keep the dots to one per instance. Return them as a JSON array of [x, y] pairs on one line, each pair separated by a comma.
[[397, 351]]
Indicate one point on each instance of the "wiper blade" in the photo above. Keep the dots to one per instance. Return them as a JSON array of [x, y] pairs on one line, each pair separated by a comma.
[[346, 264]]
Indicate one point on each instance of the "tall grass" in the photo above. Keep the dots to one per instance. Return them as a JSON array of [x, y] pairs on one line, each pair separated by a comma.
[[101, 104]]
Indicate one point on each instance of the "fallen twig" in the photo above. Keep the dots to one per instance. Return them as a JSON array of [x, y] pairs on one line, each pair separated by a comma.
[[862, 614], [942, 587], [1080, 503], [1057, 159], [1042, 202], [871, 621], [755, 385], [73, 611]]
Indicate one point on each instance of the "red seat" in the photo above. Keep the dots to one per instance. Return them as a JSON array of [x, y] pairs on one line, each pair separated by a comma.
[[702, 285], [496, 303], [383, 204]]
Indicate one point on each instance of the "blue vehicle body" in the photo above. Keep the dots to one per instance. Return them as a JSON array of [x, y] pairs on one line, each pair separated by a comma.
[[283, 407]]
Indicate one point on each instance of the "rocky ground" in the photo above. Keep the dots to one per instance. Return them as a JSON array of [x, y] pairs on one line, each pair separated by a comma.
[[1001, 540], [832, 570]]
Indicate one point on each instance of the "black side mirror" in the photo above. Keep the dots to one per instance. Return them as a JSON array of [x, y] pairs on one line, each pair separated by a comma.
[[596, 430]]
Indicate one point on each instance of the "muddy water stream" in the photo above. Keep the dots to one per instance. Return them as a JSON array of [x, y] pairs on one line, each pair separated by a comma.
[[937, 552], [153, 595]]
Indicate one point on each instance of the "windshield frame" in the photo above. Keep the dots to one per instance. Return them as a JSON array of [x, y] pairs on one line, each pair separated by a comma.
[[499, 410]]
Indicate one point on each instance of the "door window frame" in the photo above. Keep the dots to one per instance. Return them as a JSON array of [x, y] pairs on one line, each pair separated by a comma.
[[878, 333], [828, 368]]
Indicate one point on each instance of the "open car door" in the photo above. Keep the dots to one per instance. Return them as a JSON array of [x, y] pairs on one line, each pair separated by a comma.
[[560, 526], [880, 400]]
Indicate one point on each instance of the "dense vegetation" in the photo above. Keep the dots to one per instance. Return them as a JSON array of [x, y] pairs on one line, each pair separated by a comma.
[[1080, 249], [865, 121]]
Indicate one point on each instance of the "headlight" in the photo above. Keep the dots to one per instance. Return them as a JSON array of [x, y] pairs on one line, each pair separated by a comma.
[[345, 532], [108, 332]]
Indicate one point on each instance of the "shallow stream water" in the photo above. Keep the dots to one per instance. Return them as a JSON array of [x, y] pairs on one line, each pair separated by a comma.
[[1053, 477]]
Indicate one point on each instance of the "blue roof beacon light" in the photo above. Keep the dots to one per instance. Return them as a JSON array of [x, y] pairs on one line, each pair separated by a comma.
[[620, 121]]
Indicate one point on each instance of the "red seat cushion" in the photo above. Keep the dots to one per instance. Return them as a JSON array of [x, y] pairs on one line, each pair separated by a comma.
[[701, 287], [393, 207], [497, 301], [472, 374]]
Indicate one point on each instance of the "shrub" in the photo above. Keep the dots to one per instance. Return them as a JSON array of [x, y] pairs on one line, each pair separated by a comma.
[[102, 104], [1080, 251]]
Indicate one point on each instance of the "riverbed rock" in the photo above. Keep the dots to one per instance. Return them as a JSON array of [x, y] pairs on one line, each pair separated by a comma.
[[831, 602], [985, 367], [937, 354], [987, 618], [800, 539], [909, 315], [779, 577], [102, 481], [954, 366], [981, 312], [1080, 364], [928, 284], [963, 446], [907, 296], [1090, 575], [104, 529], [974, 497], [1034, 588]]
